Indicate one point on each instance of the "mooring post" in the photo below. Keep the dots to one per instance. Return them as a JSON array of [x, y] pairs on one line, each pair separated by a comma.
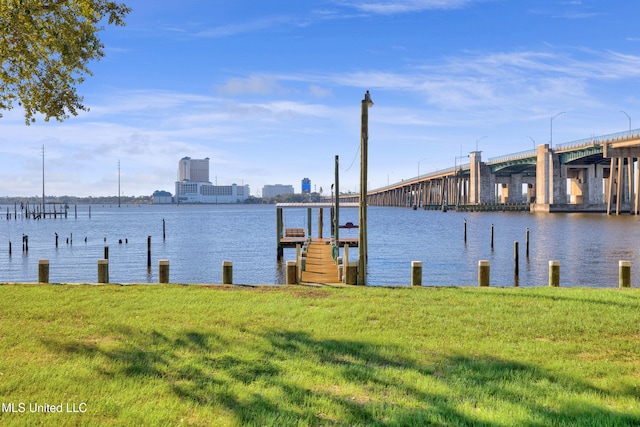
[[624, 274], [554, 273], [516, 260], [9, 247], [292, 273], [149, 252], [527, 249], [227, 272], [164, 234], [465, 230], [106, 252], [491, 236], [103, 270], [416, 273], [43, 271], [163, 271], [351, 273], [484, 272]]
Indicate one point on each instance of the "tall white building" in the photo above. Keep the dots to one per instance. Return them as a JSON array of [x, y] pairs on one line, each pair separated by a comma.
[[196, 170], [193, 185]]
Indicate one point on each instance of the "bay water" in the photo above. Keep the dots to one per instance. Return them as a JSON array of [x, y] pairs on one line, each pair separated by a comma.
[[198, 238]]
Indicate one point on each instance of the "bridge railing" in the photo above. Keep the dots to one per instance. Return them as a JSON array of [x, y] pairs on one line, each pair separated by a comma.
[[597, 140], [514, 156]]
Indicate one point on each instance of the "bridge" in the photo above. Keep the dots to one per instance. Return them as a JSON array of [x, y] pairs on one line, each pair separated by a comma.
[[598, 174]]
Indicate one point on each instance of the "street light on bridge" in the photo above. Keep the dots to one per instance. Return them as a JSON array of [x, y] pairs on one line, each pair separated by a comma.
[[627, 118], [551, 128]]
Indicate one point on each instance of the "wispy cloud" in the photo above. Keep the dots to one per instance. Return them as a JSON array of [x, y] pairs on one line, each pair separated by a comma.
[[259, 24], [404, 6]]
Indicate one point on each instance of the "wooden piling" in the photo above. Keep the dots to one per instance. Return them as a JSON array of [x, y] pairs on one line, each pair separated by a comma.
[[103, 270], [292, 273], [554, 274], [491, 236], [527, 248], [163, 271], [484, 273], [351, 273], [43, 271], [465, 231], [624, 274], [227, 272], [106, 252], [164, 234], [416, 273], [516, 260], [148, 251]]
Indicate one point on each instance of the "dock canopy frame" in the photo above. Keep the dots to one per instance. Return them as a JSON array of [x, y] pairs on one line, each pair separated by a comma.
[[283, 241]]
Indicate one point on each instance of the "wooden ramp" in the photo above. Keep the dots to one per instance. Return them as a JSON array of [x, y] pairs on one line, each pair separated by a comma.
[[321, 267]]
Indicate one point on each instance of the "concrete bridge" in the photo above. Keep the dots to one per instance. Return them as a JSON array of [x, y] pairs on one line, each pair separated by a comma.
[[598, 174]]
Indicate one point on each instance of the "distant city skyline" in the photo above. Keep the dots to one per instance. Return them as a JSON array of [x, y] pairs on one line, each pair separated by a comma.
[[271, 91]]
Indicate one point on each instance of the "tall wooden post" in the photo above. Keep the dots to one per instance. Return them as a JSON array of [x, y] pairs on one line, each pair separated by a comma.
[[336, 215], [362, 230]]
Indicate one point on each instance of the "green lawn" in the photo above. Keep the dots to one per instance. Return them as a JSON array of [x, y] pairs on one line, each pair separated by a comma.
[[211, 355]]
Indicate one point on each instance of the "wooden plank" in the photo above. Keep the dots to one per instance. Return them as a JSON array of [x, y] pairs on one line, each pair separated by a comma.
[[321, 267]]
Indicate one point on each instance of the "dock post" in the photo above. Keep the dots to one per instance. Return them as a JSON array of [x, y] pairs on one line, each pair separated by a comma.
[[149, 252], [163, 271], [43, 271], [227, 272], [527, 236], [320, 222], [351, 273], [554, 273], [484, 272], [516, 261], [103, 270], [491, 236], [416, 273], [292, 273], [624, 274], [106, 252], [279, 227], [465, 231], [309, 224]]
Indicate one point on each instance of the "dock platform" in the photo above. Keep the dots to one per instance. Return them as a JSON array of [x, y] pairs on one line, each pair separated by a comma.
[[321, 268]]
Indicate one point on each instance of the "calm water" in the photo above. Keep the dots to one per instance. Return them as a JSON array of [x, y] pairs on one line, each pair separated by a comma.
[[199, 238]]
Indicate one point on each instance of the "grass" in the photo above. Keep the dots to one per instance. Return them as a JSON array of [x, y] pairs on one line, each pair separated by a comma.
[[212, 355]]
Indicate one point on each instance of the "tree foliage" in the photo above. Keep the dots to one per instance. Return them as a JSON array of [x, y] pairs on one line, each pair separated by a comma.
[[45, 49]]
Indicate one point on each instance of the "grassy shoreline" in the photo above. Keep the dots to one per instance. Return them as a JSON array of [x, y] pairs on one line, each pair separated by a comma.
[[278, 355]]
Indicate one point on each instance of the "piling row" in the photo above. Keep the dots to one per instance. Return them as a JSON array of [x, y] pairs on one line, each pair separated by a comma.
[[349, 272]]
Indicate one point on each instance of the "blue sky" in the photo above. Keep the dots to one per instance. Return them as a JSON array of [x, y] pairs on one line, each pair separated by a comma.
[[270, 91]]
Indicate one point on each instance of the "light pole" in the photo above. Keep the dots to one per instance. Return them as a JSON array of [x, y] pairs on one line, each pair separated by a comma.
[[478, 140], [534, 142], [627, 118], [362, 229], [551, 128]]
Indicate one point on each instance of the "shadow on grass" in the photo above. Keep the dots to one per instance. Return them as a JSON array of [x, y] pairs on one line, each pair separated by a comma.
[[291, 378]]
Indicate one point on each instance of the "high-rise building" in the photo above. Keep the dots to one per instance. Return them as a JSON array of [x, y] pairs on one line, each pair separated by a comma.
[[193, 185], [195, 170], [306, 186]]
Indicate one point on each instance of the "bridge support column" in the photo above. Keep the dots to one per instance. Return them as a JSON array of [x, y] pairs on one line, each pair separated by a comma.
[[481, 181], [551, 188]]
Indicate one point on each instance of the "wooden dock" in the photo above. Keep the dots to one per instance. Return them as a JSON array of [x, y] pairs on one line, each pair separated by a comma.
[[321, 268]]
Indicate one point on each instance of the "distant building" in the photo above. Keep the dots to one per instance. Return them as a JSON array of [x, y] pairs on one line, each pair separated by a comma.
[[205, 192], [306, 186], [269, 191], [193, 169], [161, 197]]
